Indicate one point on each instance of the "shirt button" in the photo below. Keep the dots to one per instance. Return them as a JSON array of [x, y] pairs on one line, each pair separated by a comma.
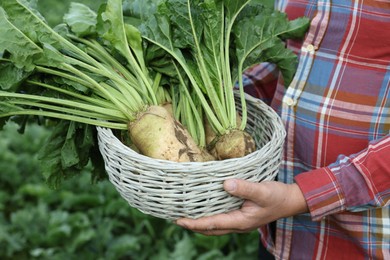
[[310, 48], [289, 101]]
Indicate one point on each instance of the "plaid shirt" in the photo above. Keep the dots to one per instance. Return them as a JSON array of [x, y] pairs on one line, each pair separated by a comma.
[[337, 116]]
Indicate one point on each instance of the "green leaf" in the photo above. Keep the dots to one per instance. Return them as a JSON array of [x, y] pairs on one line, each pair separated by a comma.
[[210, 243], [22, 50], [233, 8], [81, 19], [157, 29], [11, 76], [98, 171], [30, 22], [285, 59], [67, 151], [35, 190], [160, 61], [136, 11], [296, 28], [51, 57], [184, 249], [123, 245], [212, 255], [113, 28], [122, 36], [259, 39]]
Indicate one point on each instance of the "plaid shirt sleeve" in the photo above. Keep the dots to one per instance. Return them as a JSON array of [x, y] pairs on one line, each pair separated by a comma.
[[332, 189]]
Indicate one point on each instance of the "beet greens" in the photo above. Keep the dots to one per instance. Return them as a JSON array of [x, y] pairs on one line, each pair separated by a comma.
[[103, 69]]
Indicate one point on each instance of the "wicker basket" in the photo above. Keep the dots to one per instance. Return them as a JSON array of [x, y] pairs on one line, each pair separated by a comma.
[[172, 190]]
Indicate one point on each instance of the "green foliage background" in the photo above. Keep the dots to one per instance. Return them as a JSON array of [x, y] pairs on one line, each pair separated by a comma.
[[81, 220]]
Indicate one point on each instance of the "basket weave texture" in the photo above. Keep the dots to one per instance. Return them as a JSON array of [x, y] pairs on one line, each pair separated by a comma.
[[171, 190]]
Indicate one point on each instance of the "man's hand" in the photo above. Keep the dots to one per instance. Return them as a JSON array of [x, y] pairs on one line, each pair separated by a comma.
[[264, 203]]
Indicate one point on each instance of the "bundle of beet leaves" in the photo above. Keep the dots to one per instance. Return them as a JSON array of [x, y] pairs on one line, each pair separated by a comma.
[[157, 72]]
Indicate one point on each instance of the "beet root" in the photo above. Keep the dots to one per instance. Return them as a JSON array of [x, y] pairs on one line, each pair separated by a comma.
[[234, 144], [158, 135]]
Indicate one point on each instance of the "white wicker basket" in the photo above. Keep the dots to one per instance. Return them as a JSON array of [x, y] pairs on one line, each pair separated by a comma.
[[172, 190]]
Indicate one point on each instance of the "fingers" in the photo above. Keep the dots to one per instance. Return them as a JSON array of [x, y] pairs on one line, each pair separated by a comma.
[[206, 229], [215, 225], [219, 232]]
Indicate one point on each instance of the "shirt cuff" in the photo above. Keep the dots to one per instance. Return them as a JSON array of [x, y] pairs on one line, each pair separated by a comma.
[[322, 192]]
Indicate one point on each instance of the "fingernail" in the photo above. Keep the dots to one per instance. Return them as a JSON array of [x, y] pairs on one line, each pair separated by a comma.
[[230, 185]]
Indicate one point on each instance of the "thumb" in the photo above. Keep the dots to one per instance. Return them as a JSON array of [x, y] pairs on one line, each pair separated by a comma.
[[241, 188]]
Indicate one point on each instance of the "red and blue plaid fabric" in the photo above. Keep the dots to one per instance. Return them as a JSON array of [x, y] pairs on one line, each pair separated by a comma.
[[337, 116]]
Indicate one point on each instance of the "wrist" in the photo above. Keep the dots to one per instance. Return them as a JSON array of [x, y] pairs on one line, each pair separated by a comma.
[[296, 201]]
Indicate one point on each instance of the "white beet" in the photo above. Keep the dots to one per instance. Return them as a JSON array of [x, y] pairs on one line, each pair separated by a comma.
[[234, 144], [158, 135]]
